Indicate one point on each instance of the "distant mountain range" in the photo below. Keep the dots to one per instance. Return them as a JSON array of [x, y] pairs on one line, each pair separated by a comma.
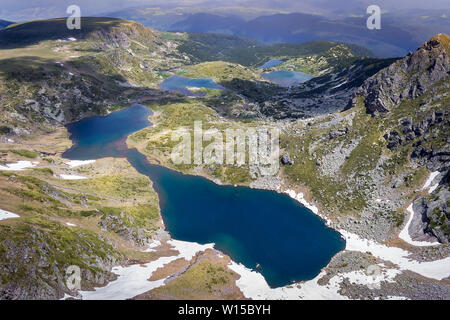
[[404, 26], [400, 33]]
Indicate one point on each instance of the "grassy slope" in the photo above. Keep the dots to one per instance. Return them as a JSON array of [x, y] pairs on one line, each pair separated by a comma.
[[46, 204], [38, 192], [205, 279], [156, 141], [219, 71], [317, 64]]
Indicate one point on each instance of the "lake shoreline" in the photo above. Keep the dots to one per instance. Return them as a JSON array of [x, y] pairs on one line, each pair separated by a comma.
[[353, 242], [98, 137]]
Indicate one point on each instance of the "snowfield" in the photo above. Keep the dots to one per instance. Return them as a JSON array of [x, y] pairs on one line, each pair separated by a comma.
[[19, 166], [254, 286], [133, 280]]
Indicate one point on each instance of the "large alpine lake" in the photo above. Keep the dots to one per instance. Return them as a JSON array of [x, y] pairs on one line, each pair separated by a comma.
[[288, 241]]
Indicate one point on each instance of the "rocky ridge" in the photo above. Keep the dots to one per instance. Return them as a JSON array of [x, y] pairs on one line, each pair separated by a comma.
[[409, 77]]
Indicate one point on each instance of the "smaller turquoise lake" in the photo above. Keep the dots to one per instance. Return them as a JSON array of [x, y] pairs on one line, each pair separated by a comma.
[[181, 84], [286, 78], [271, 64], [287, 240]]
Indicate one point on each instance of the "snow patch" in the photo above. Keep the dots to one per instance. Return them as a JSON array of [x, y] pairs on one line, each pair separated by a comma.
[[300, 198], [438, 269], [362, 278], [430, 180], [67, 296], [404, 234], [254, 286], [396, 298], [18, 166], [78, 163], [71, 177], [7, 215], [152, 246], [432, 188]]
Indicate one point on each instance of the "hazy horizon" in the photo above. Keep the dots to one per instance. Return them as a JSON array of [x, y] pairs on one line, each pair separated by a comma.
[[19, 11]]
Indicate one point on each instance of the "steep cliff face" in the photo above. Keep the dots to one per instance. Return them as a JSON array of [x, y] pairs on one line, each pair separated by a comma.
[[409, 77]]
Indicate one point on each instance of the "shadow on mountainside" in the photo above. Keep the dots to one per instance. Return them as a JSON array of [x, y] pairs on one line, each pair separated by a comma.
[[24, 34], [258, 91]]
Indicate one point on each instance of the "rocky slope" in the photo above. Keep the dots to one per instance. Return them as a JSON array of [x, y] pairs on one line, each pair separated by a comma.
[[434, 212], [327, 93], [409, 77], [318, 64], [34, 259]]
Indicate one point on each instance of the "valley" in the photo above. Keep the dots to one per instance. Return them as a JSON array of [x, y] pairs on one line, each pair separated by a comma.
[[363, 153]]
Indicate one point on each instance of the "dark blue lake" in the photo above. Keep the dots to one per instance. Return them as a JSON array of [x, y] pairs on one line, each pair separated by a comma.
[[286, 78], [271, 64], [288, 241], [181, 84]]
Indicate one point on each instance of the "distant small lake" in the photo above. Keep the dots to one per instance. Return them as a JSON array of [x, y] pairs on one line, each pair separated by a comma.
[[286, 78], [271, 64], [181, 84], [287, 240]]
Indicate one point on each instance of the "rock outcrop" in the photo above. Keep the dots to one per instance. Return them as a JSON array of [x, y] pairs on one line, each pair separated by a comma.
[[434, 210], [407, 78], [34, 261], [286, 160], [117, 224]]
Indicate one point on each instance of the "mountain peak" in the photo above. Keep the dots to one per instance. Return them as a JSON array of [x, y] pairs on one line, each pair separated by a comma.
[[33, 32], [409, 77], [441, 39]]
